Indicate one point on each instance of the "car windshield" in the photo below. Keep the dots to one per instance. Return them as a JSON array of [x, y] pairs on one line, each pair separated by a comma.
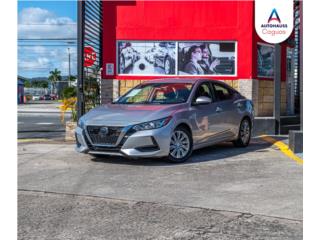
[[157, 93]]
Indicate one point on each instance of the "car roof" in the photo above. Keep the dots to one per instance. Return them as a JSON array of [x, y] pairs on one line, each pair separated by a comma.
[[178, 80]]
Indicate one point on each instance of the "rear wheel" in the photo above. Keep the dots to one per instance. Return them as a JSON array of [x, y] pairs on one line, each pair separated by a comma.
[[244, 134], [180, 145]]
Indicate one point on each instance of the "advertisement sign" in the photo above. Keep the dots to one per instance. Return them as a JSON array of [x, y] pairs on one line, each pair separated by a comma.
[[274, 19], [265, 61], [146, 58], [206, 58], [90, 56], [161, 58]]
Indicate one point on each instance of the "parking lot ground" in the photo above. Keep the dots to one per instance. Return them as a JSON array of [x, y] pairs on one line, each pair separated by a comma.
[[222, 192]]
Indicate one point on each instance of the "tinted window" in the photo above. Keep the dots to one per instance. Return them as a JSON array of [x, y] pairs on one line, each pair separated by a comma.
[[203, 91], [222, 92], [157, 93]]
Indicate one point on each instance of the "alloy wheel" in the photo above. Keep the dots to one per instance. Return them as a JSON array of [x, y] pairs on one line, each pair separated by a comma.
[[179, 144], [245, 131]]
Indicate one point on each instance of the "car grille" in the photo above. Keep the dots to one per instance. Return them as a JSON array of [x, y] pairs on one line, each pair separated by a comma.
[[97, 137]]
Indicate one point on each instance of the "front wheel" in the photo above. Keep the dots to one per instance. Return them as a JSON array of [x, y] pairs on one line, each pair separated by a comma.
[[180, 145], [244, 134]]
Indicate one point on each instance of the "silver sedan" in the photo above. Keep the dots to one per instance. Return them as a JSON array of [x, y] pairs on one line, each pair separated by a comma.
[[167, 118]]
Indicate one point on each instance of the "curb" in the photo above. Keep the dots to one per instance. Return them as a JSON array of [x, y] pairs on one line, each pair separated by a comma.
[[284, 148]]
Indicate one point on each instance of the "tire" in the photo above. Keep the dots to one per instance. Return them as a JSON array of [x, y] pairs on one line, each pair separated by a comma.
[[181, 145], [167, 66], [244, 134]]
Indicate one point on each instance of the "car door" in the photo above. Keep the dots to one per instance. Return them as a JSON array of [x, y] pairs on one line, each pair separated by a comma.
[[227, 108], [207, 122]]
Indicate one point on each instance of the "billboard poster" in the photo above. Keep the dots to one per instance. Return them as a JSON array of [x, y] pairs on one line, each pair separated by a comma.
[[146, 58], [206, 58], [265, 61]]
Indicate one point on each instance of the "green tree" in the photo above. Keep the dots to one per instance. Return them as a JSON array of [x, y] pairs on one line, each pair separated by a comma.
[[44, 84], [55, 76], [27, 84], [35, 84], [72, 78], [69, 92]]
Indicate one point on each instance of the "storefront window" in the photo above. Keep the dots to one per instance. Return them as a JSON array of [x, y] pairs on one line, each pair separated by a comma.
[[161, 58], [265, 61]]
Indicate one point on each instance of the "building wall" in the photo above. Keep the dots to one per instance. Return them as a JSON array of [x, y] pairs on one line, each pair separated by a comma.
[[189, 20], [179, 21]]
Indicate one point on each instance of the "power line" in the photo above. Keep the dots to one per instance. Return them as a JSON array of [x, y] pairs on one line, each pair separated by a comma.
[[47, 39], [43, 45], [46, 24]]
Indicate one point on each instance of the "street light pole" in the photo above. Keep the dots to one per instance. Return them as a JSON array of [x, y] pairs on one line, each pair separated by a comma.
[[69, 68]]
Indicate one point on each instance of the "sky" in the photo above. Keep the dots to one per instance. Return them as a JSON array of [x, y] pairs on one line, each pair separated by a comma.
[[40, 24]]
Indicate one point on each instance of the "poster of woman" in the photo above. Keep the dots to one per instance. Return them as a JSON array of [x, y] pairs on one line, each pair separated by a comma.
[[206, 58]]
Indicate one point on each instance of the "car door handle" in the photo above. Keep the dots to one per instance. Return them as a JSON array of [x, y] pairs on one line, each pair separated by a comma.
[[218, 109]]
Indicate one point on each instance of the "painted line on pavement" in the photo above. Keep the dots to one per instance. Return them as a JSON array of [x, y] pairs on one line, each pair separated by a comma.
[[44, 123], [33, 140], [284, 148]]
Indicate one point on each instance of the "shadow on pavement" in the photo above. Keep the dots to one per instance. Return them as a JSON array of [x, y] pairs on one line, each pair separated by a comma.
[[213, 153]]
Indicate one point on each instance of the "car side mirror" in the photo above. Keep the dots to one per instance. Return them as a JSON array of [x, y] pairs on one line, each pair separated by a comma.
[[203, 100]]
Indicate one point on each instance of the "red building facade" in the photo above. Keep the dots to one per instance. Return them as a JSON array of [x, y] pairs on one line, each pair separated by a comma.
[[138, 34]]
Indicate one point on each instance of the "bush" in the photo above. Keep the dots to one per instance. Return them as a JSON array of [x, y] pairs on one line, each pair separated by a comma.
[[69, 104], [69, 92]]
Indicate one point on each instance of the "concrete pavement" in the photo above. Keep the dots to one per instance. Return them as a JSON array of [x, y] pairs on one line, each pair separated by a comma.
[[61, 216], [259, 182]]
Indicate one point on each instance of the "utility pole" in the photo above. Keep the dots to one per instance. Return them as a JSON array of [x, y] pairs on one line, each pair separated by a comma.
[[80, 82], [277, 88], [69, 82]]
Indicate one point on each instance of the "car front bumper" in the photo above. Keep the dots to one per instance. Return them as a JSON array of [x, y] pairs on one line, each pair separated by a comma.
[[147, 143]]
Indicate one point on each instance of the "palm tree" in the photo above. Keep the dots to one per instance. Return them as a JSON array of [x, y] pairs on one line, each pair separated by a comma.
[[55, 76]]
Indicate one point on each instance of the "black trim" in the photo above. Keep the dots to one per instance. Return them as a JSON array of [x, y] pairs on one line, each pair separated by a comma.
[[149, 148]]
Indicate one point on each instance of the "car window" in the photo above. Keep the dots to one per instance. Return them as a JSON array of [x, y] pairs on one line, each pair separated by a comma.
[[222, 93], [157, 93], [203, 91]]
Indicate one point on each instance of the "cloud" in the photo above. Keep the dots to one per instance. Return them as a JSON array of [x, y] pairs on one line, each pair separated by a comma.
[[41, 23], [39, 59]]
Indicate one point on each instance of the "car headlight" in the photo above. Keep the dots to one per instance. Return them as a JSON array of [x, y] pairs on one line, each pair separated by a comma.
[[81, 123], [152, 124]]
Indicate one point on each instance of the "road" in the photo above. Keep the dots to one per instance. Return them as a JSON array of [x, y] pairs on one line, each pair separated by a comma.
[[221, 193], [40, 119]]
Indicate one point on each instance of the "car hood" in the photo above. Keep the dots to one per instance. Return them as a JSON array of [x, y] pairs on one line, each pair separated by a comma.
[[127, 114]]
